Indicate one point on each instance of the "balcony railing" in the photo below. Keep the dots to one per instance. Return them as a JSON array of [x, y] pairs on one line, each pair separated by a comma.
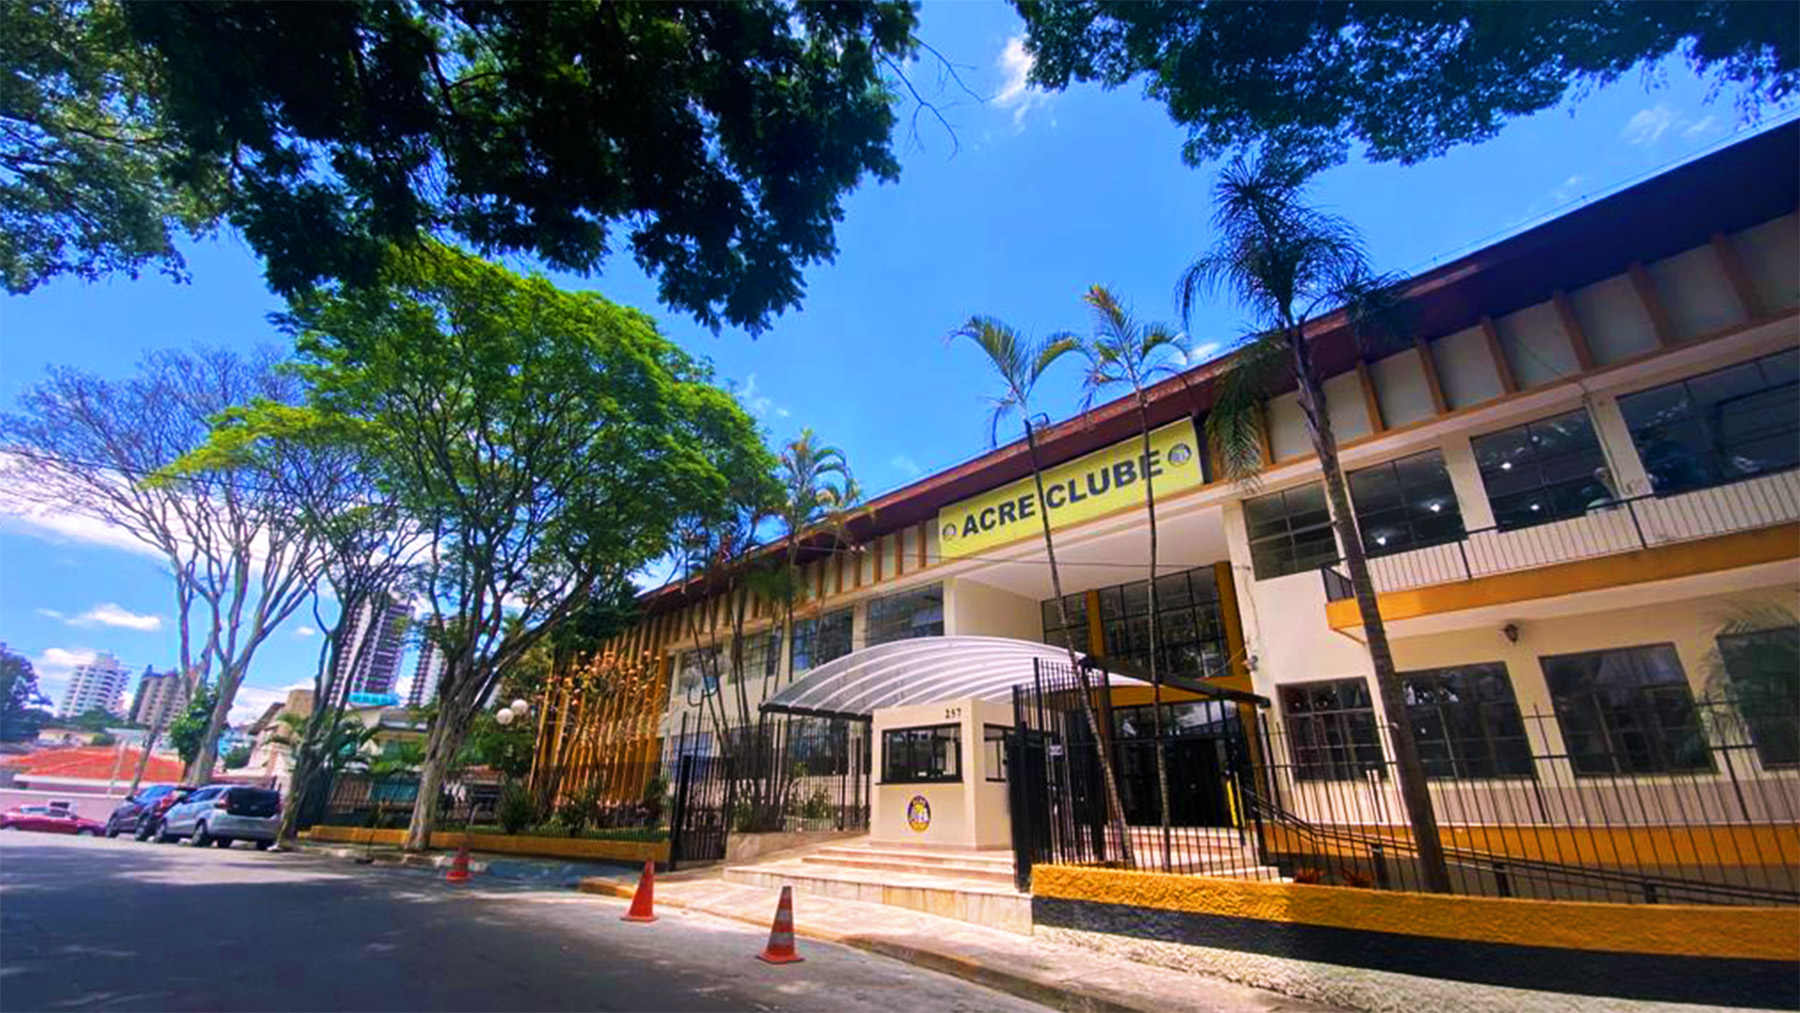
[[1607, 529]]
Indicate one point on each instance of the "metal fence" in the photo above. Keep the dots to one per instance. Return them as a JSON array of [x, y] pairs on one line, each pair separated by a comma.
[[786, 773], [1708, 812], [361, 800], [1604, 529]]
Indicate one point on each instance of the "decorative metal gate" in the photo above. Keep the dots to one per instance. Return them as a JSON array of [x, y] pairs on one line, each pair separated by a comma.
[[701, 818]]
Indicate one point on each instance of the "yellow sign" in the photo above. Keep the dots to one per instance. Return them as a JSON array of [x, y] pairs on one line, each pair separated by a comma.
[[1079, 490], [918, 814]]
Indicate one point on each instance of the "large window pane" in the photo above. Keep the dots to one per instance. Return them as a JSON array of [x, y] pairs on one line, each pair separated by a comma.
[[1466, 722], [1626, 711], [917, 613], [1290, 531], [1732, 423], [1331, 730], [1190, 630], [1548, 470], [1405, 504], [1764, 669], [821, 639], [921, 755]]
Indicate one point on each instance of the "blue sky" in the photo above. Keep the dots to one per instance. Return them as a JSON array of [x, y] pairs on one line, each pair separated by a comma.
[[1047, 195]]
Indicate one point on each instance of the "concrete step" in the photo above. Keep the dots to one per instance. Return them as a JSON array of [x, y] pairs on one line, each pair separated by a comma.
[[920, 856], [957, 870], [981, 903]]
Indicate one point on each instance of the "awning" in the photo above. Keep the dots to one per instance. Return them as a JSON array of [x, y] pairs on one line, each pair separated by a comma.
[[923, 670]]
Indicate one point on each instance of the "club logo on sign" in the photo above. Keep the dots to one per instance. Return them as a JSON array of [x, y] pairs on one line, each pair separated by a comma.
[[918, 814], [1180, 453]]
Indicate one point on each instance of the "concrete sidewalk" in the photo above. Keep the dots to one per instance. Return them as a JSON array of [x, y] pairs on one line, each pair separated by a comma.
[[1058, 976]]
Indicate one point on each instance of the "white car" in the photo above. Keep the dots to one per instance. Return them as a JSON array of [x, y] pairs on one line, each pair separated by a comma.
[[222, 814]]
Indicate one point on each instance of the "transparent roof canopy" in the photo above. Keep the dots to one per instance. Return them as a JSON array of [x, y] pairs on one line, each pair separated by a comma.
[[923, 670]]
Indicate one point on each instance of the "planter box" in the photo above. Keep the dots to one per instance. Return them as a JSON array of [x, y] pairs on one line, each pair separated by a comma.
[[575, 848]]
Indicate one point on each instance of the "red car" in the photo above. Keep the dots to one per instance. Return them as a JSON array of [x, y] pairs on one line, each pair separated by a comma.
[[48, 820]]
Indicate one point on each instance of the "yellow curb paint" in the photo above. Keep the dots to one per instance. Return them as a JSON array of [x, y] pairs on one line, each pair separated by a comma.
[[1665, 929]]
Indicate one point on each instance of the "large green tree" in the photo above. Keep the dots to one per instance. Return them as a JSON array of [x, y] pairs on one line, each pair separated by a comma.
[[543, 441], [1409, 80], [88, 164], [22, 704], [715, 140]]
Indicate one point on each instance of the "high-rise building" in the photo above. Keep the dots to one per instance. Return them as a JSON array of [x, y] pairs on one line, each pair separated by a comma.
[[377, 640], [160, 698], [426, 672], [100, 683]]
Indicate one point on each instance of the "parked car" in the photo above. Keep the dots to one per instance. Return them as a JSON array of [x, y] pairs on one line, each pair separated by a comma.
[[223, 814], [49, 820], [139, 812]]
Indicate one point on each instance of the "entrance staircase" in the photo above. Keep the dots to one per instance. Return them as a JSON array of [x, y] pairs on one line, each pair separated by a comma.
[[1199, 851], [970, 886]]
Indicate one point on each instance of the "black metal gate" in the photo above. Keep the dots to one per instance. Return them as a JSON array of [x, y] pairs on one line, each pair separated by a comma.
[[1058, 795], [701, 818]]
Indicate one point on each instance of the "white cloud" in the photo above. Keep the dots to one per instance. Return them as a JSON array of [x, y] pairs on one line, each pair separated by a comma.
[[62, 526], [1647, 126], [1016, 91], [304, 631], [118, 617], [905, 466], [1202, 352], [757, 403], [51, 614], [1707, 124], [54, 666], [251, 701]]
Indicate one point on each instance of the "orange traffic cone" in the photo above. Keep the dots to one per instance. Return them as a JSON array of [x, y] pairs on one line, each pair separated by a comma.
[[459, 869], [643, 902], [781, 934]]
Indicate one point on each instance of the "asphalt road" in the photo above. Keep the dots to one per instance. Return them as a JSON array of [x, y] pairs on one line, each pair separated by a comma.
[[93, 924]]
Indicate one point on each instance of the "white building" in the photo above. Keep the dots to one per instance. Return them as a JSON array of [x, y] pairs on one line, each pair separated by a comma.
[[100, 683]]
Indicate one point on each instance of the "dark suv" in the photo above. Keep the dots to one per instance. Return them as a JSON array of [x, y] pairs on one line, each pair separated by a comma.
[[137, 815]]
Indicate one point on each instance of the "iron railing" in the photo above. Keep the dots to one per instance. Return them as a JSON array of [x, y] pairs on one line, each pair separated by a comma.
[[1605, 529], [1704, 808]]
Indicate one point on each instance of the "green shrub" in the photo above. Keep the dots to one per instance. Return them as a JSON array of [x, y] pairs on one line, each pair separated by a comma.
[[818, 806], [518, 809]]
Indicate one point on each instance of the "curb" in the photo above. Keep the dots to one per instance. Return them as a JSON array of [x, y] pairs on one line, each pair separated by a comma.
[[1057, 996]]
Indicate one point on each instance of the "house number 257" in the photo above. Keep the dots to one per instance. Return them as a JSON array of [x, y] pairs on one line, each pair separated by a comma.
[[952, 713]]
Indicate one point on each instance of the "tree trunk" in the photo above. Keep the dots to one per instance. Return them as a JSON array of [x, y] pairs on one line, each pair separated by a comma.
[[137, 776], [200, 771], [300, 786], [441, 744], [1414, 788], [1156, 724], [1114, 811]]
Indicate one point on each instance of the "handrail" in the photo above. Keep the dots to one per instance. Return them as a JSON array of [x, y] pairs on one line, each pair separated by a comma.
[[1604, 528]]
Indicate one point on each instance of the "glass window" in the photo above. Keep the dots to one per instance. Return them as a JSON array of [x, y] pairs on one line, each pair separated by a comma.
[[919, 755], [1069, 627], [761, 656], [821, 639], [699, 671], [1331, 729], [1290, 531], [1405, 504], [1190, 630], [1467, 723], [918, 613], [1734, 423], [994, 740], [1626, 711], [1548, 470], [1764, 669]]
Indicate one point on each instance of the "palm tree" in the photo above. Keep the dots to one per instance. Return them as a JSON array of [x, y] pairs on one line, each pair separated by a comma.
[[1020, 363], [1125, 351], [817, 490], [1287, 261]]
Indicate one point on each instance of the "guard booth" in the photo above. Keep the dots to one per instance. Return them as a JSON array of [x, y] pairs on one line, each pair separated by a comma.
[[942, 720]]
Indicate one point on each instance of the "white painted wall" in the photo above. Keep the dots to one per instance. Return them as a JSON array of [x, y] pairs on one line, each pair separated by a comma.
[[1401, 388], [970, 813], [1536, 346], [1465, 370]]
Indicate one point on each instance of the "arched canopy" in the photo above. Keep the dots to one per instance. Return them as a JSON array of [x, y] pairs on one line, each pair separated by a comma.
[[922, 670]]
